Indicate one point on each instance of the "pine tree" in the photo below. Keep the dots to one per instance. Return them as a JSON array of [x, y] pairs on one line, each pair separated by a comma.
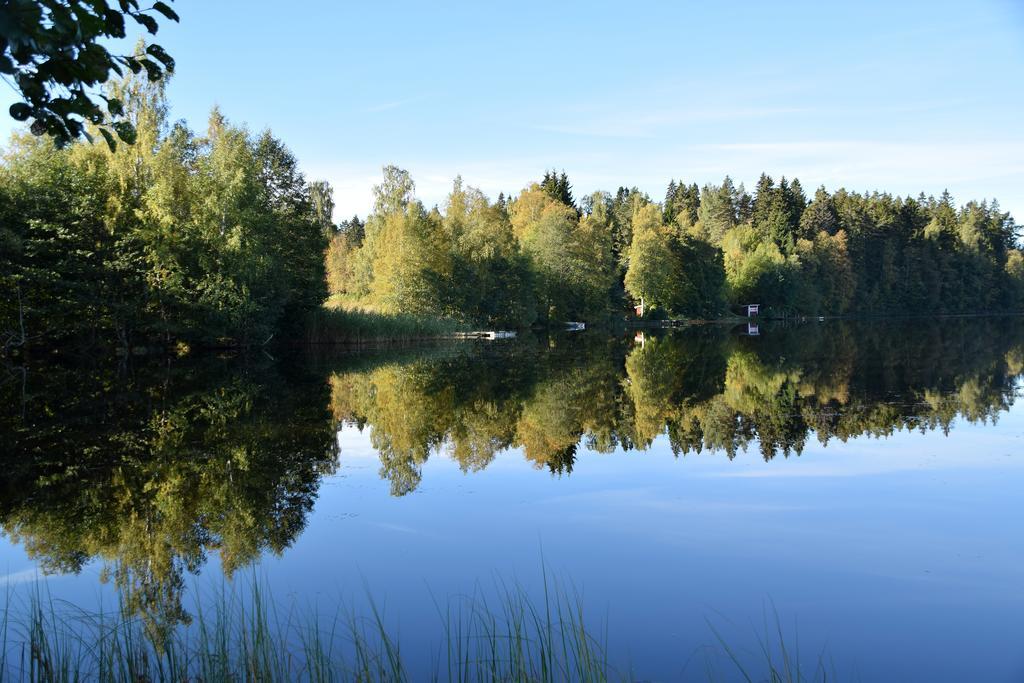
[[718, 211], [819, 216], [558, 187], [670, 202], [764, 195]]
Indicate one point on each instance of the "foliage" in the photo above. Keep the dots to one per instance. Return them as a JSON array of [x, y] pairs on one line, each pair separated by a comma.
[[219, 239], [706, 389], [338, 324], [674, 270], [212, 239], [246, 633], [154, 470], [53, 51], [153, 467], [558, 187], [653, 272]]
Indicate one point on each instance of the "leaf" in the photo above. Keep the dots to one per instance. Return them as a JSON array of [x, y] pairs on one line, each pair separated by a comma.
[[152, 70], [163, 9], [114, 22], [125, 131], [115, 106], [111, 142], [161, 54], [147, 21], [20, 111]]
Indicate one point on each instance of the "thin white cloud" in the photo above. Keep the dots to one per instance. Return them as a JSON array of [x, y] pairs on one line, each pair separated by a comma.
[[653, 498], [993, 169], [24, 576], [971, 170], [353, 185], [650, 124]]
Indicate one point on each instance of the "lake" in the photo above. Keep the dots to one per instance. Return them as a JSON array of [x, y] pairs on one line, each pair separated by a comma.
[[857, 483]]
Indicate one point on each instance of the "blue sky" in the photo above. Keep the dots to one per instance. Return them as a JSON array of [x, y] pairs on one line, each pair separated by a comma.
[[897, 96]]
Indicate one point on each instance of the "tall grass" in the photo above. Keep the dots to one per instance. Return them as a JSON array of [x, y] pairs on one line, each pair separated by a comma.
[[358, 326], [243, 635], [777, 657]]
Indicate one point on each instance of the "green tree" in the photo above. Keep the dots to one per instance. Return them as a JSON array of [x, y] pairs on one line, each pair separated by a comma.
[[210, 239], [558, 187], [819, 216], [653, 274], [491, 279], [719, 210], [321, 195], [546, 231]]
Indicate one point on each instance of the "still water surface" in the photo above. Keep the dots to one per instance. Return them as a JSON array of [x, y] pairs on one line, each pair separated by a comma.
[[860, 480]]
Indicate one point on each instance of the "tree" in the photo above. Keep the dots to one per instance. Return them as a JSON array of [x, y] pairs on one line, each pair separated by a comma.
[[52, 49], [718, 212], [943, 227], [178, 237], [1015, 271], [703, 271], [339, 264], [321, 195], [395, 193], [491, 284], [776, 211], [687, 205], [764, 194], [653, 273], [354, 230], [819, 216], [558, 187], [670, 200], [546, 231], [593, 246], [623, 206], [756, 269], [408, 263]]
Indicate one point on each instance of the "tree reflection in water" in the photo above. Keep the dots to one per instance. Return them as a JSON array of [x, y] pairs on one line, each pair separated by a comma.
[[707, 389], [150, 469]]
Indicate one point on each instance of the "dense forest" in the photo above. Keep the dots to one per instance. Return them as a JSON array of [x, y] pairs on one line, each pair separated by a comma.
[[541, 257], [218, 238]]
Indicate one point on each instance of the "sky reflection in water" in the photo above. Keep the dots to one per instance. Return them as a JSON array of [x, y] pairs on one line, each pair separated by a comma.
[[457, 467]]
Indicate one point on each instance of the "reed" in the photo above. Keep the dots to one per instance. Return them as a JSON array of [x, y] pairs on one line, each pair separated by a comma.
[[358, 326], [243, 635]]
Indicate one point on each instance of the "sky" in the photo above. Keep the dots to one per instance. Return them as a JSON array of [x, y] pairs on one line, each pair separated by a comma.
[[901, 97]]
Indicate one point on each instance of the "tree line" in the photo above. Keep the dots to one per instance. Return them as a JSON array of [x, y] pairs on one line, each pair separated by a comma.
[[218, 238], [541, 257]]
